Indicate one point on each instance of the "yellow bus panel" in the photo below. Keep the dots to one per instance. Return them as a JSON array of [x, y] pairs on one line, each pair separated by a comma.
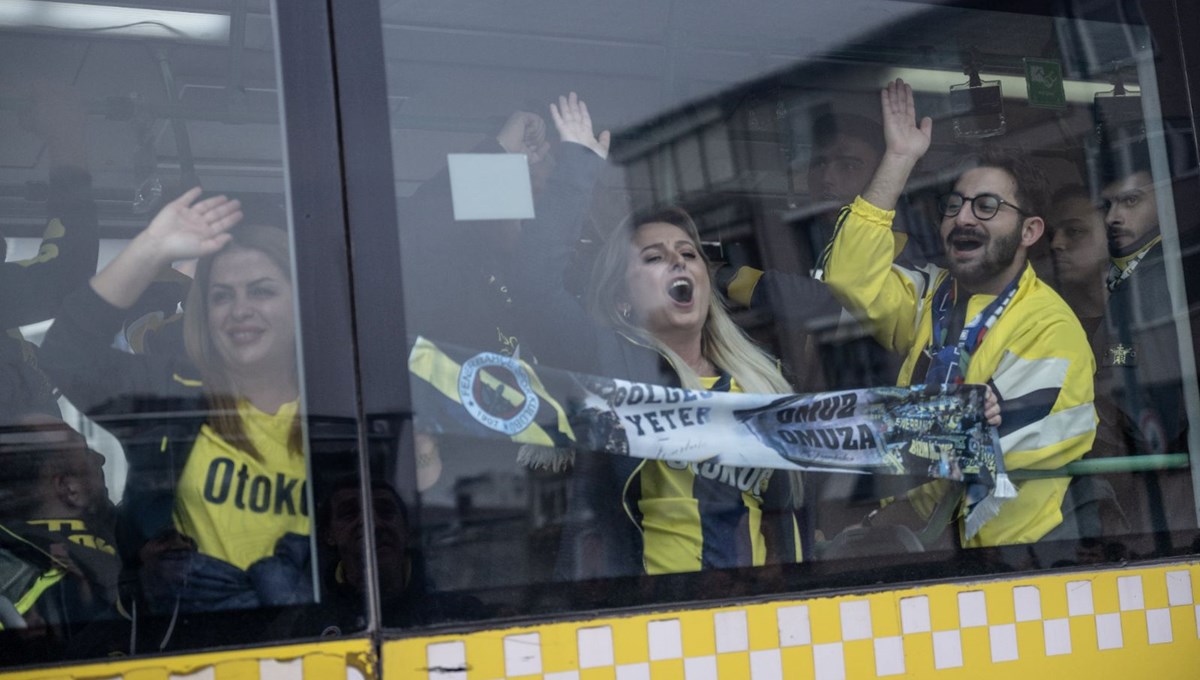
[[343, 659], [1124, 623]]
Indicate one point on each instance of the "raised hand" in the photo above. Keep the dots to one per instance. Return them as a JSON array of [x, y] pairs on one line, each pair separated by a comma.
[[906, 143], [575, 124], [525, 133], [901, 133], [186, 228], [182, 230]]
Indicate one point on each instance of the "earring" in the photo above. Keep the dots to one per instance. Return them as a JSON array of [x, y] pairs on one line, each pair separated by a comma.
[[625, 311]]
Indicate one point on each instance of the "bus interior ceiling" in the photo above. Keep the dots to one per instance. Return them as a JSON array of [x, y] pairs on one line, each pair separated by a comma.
[[174, 111], [640, 63]]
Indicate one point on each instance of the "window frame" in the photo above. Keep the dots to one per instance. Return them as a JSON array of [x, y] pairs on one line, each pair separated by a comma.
[[379, 318]]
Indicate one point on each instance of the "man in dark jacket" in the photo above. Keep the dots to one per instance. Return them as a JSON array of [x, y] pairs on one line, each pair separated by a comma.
[[58, 569], [1139, 375]]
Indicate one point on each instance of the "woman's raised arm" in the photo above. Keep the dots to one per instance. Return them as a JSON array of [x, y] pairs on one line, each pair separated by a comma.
[[182, 230]]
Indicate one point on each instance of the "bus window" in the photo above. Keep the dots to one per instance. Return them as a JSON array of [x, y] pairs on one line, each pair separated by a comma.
[[606, 214], [164, 475]]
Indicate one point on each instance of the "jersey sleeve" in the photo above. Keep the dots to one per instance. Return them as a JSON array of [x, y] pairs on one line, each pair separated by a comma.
[[1044, 382], [1045, 388], [857, 266], [78, 356], [785, 295]]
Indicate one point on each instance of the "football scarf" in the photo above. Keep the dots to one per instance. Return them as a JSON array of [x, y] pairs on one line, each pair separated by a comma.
[[937, 431]]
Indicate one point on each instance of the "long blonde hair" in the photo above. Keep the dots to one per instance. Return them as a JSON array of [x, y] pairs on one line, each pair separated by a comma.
[[721, 341], [219, 390]]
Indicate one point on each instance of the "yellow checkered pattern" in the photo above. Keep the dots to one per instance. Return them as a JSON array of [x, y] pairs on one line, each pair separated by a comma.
[[1121, 623], [335, 660]]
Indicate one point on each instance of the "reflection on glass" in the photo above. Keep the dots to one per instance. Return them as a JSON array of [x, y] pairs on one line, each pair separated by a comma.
[[168, 382], [718, 155], [232, 530], [764, 155]]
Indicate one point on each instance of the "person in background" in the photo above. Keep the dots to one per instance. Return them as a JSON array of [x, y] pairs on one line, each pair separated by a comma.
[[846, 150], [1079, 248], [31, 290], [985, 319], [405, 598], [227, 472], [1139, 372], [58, 568], [838, 351], [841, 355], [483, 315]]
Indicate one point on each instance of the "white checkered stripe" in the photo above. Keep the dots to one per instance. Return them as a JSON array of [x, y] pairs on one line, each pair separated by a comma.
[[268, 669], [874, 635]]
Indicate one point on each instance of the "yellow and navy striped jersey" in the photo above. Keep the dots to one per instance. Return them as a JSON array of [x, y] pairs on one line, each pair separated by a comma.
[[698, 516]]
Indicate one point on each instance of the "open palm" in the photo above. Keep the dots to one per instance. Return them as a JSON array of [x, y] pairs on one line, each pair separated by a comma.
[[575, 124], [900, 130], [184, 230]]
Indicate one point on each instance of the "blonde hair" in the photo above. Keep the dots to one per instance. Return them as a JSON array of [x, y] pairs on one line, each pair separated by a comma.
[[219, 390], [721, 340]]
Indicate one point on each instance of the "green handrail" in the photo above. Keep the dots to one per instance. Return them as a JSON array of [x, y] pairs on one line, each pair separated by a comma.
[[1103, 466], [943, 512]]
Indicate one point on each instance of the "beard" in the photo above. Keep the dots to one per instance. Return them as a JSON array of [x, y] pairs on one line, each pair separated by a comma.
[[1134, 242], [999, 252]]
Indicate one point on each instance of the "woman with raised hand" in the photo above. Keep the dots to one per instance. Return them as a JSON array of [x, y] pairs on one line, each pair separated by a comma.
[[653, 317], [212, 439]]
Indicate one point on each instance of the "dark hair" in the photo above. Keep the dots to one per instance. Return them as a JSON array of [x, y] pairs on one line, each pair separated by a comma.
[[829, 125], [1031, 193], [25, 460], [1122, 160], [1069, 192]]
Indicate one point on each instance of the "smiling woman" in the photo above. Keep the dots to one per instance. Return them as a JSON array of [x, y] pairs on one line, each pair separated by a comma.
[[229, 481], [250, 311]]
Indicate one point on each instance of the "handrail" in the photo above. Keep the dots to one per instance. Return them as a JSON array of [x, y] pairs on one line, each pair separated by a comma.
[[943, 512], [1103, 466]]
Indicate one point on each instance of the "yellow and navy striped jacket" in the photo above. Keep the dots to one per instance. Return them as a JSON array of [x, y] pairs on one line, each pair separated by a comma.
[[1036, 357]]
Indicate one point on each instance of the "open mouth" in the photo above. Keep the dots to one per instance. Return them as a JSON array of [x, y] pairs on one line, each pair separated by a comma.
[[965, 242], [680, 291]]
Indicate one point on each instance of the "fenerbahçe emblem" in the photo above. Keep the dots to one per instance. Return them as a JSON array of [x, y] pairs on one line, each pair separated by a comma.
[[495, 390]]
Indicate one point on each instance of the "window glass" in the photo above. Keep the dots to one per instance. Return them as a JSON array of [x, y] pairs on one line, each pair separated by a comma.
[[154, 436], [627, 231]]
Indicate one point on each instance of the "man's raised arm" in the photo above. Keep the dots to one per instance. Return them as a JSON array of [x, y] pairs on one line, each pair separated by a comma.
[[857, 263], [905, 144]]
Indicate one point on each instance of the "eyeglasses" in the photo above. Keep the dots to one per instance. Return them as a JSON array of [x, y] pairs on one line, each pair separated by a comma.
[[984, 206]]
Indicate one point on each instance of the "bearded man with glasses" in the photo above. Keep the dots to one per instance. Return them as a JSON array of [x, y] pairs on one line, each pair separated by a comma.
[[986, 319]]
